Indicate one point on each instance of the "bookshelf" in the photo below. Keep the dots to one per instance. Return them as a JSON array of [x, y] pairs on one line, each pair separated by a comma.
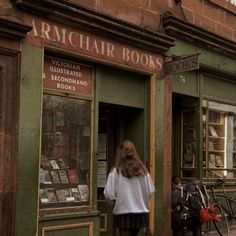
[[214, 141], [189, 138]]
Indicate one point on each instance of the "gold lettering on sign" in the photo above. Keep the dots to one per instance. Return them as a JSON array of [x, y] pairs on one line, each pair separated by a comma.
[[95, 46], [141, 58], [67, 76]]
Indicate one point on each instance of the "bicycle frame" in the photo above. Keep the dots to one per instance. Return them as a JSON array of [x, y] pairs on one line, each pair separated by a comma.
[[228, 200]]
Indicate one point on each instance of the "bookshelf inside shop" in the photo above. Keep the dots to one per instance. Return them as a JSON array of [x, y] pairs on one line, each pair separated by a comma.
[[65, 152], [102, 160], [234, 143], [219, 143], [188, 139], [214, 142]]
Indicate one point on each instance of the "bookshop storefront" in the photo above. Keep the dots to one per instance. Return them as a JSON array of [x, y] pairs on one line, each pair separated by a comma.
[[204, 110], [81, 95]]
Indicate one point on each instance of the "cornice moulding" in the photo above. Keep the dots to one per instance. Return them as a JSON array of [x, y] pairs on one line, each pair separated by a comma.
[[181, 29], [74, 15], [12, 29]]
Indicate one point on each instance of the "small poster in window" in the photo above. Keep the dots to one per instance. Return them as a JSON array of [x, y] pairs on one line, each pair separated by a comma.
[[73, 176]]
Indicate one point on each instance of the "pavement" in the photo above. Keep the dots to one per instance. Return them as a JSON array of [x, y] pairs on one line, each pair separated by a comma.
[[214, 233]]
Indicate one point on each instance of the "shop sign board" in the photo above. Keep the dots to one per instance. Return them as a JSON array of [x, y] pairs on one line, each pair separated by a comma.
[[182, 65], [67, 76], [54, 34]]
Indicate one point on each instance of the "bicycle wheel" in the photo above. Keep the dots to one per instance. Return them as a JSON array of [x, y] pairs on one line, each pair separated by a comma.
[[222, 226], [233, 208]]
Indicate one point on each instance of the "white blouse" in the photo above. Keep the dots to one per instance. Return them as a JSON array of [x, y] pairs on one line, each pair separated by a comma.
[[131, 195]]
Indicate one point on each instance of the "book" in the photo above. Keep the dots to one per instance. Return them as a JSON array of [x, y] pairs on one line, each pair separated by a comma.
[[84, 192], [51, 195], [55, 177], [63, 176], [73, 176], [45, 163], [63, 163], [213, 131], [43, 196], [44, 177], [211, 145], [212, 159], [218, 161], [61, 197], [47, 195], [75, 193], [69, 195], [54, 164]]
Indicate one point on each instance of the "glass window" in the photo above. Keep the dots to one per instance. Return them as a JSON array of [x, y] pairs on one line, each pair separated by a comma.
[[65, 152], [232, 2], [219, 141]]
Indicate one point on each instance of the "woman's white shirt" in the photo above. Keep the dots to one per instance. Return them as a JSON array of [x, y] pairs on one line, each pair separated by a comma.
[[131, 195]]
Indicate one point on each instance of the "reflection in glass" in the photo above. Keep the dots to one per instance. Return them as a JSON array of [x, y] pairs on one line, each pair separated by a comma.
[[65, 151]]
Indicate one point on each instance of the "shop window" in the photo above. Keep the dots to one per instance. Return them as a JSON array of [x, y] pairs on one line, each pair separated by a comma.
[[219, 140], [66, 134], [65, 154], [232, 2]]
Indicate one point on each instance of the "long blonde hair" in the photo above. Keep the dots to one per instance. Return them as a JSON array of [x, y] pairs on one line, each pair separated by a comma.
[[129, 165]]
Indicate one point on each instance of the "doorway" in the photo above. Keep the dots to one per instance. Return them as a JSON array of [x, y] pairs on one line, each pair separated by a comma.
[[116, 123]]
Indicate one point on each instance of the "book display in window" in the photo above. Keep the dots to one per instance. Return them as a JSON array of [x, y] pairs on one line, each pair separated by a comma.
[[65, 159], [214, 138]]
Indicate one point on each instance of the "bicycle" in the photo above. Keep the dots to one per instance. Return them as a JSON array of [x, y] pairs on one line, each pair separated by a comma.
[[223, 212]]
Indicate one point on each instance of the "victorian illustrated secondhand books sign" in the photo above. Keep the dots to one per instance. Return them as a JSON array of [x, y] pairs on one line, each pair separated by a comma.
[[67, 76]]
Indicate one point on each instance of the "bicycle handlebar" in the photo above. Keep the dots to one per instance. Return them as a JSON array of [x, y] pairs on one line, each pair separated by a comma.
[[219, 182]]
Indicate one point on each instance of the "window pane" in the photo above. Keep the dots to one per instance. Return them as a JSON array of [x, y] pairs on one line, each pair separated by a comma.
[[232, 1], [65, 151], [219, 140]]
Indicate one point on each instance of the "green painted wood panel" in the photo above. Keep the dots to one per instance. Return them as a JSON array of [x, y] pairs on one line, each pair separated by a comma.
[[29, 140], [72, 232], [120, 87], [74, 225], [186, 83], [219, 88]]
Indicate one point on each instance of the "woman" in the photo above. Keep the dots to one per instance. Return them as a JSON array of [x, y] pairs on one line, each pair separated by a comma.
[[130, 185]]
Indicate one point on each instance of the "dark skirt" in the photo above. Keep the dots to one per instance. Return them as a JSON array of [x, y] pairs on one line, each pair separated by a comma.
[[131, 221]]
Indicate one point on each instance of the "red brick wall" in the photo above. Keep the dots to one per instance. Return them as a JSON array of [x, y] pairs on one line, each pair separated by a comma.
[[217, 16]]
